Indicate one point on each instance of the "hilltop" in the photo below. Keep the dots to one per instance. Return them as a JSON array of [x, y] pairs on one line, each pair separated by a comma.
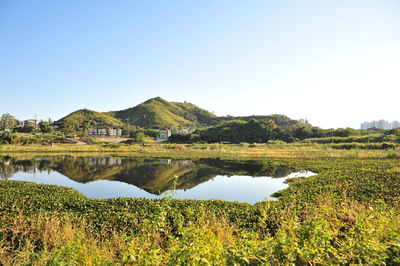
[[159, 113], [85, 118]]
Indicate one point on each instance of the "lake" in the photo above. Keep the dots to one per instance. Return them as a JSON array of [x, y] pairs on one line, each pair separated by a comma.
[[119, 176]]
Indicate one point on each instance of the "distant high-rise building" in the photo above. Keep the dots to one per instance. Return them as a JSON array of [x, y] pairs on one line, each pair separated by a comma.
[[381, 124], [365, 125], [395, 124]]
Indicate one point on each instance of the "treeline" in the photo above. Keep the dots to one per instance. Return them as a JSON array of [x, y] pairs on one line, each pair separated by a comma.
[[38, 138], [364, 146], [236, 131], [251, 129], [392, 135], [260, 131]]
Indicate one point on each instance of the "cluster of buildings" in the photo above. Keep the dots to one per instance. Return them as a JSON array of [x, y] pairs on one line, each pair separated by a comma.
[[28, 123], [166, 133], [117, 132], [105, 132], [30, 168], [381, 124]]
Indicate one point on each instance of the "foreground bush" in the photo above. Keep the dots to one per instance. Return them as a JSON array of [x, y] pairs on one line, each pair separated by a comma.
[[329, 233]]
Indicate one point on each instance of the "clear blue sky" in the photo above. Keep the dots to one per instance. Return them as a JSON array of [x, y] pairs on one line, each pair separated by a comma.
[[334, 62]]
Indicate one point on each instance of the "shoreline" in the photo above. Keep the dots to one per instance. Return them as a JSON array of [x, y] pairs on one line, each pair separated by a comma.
[[223, 151]]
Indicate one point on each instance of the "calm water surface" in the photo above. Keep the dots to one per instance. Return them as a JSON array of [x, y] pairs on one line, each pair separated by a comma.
[[109, 177]]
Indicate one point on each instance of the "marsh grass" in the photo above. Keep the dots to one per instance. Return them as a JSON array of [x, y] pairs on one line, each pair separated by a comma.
[[42, 239], [323, 233], [223, 151]]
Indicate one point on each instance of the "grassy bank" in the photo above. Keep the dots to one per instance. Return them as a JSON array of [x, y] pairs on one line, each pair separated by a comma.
[[348, 213], [232, 151]]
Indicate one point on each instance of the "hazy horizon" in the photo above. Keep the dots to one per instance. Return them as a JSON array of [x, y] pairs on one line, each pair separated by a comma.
[[334, 63]]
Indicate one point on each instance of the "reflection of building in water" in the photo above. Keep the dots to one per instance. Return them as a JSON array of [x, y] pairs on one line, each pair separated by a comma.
[[169, 161], [31, 169], [108, 161]]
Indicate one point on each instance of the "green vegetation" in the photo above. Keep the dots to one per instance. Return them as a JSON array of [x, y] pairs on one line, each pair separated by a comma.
[[7, 121], [143, 135], [159, 113], [254, 131], [81, 120], [200, 116], [368, 146], [347, 214], [280, 120], [30, 139], [385, 136], [262, 131]]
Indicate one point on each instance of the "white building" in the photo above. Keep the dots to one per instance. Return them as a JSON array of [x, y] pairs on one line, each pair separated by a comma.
[[165, 134], [102, 132], [92, 132], [181, 132], [395, 124], [28, 123]]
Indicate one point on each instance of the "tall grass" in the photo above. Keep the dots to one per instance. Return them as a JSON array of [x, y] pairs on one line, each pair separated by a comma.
[[239, 151], [325, 233]]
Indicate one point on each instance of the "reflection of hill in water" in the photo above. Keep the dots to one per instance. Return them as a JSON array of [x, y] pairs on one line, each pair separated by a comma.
[[153, 176]]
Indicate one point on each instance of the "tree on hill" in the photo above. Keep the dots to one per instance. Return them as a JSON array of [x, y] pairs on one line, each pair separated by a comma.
[[7, 121], [45, 127]]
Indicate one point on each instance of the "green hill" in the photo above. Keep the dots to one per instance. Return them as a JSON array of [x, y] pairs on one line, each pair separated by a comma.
[[159, 113], [85, 118]]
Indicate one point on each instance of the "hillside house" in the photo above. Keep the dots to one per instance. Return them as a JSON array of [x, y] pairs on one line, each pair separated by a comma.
[[164, 134], [102, 132], [92, 132], [114, 132]]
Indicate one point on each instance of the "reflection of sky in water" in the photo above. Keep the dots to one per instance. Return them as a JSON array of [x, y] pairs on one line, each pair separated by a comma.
[[233, 188]]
